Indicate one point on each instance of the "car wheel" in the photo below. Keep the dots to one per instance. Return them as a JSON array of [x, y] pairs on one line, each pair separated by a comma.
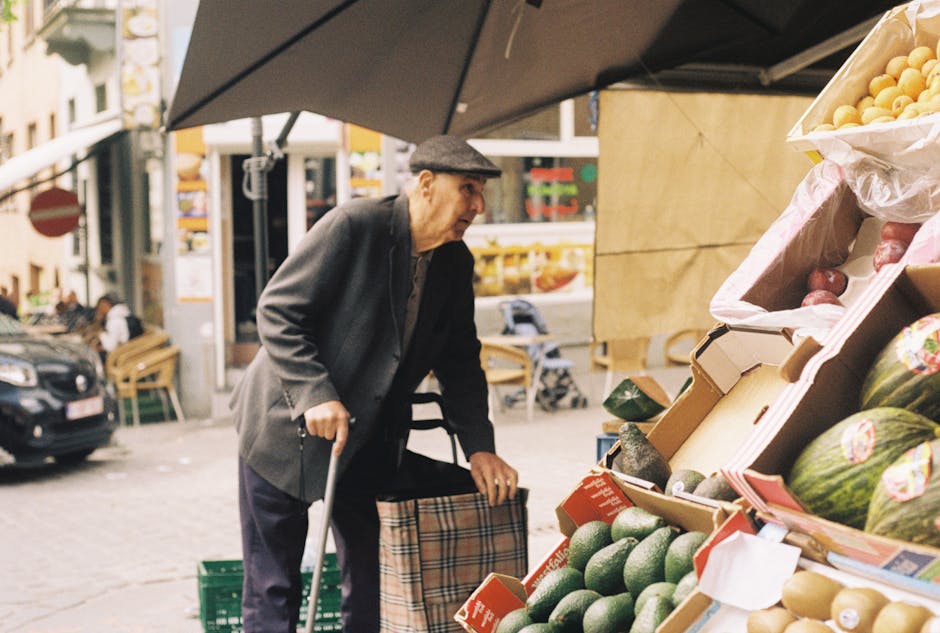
[[74, 458]]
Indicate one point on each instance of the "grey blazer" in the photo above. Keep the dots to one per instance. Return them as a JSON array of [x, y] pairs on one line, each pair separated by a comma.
[[330, 322]]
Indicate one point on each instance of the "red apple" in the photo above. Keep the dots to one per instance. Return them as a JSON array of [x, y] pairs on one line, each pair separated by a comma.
[[899, 231], [830, 279], [815, 297], [888, 252]]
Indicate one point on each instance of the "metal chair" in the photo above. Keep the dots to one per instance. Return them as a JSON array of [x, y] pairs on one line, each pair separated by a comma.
[[504, 366]]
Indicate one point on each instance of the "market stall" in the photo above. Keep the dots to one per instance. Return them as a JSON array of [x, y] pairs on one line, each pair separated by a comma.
[[809, 431]]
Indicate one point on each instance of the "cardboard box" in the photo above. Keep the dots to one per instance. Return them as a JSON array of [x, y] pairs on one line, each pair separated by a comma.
[[900, 30], [496, 596], [597, 497], [556, 558], [826, 393], [737, 374], [817, 229]]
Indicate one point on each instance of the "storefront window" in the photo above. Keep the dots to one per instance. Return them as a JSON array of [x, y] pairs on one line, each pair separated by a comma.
[[319, 187], [585, 115], [542, 189]]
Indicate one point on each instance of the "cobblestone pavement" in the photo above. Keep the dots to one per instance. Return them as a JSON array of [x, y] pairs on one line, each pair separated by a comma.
[[112, 545]]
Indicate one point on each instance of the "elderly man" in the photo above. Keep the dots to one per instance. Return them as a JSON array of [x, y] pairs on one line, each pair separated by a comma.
[[378, 293]]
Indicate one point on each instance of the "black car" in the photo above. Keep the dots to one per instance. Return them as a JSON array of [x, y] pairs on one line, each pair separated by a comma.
[[54, 398]]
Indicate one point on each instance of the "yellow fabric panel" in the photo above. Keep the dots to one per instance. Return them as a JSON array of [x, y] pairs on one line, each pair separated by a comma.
[[643, 294], [687, 183]]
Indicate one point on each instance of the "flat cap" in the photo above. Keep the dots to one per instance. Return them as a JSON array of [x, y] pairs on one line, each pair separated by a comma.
[[452, 155]]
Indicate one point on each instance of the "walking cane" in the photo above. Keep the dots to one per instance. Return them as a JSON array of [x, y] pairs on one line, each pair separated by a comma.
[[321, 546]]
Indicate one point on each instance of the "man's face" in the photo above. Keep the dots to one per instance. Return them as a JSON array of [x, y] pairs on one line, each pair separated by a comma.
[[456, 200], [101, 309]]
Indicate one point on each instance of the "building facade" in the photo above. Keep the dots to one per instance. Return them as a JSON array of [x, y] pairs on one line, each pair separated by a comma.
[[168, 221]]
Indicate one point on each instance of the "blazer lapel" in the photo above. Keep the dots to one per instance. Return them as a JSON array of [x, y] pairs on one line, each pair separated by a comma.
[[399, 265]]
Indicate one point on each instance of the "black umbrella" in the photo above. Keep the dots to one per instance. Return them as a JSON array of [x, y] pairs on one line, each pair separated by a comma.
[[415, 68]]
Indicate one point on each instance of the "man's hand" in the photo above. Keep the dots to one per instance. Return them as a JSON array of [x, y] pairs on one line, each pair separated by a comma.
[[329, 420], [494, 478]]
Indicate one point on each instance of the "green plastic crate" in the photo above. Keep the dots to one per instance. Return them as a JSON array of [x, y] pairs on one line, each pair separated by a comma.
[[220, 596]]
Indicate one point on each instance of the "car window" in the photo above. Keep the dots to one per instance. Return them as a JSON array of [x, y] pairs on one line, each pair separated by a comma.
[[10, 326]]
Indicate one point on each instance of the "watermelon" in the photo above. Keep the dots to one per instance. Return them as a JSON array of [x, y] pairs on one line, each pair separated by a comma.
[[906, 373], [906, 502], [835, 475]]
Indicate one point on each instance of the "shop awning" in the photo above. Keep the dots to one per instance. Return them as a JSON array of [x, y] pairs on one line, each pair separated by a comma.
[[79, 141]]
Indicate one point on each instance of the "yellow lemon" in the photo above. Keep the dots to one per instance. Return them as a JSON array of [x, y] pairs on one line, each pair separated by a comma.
[[865, 102], [919, 55], [911, 82], [886, 97], [873, 113], [881, 82], [928, 67], [845, 125], [824, 127], [898, 105], [883, 119], [845, 114], [896, 65]]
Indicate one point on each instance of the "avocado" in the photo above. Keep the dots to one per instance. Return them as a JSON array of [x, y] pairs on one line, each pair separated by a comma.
[[513, 621], [651, 615], [638, 458], [716, 487], [569, 612], [683, 480], [684, 588], [662, 589], [604, 572], [586, 540], [610, 614], [551, 589], [636, 522], [645, 563], [539, 627], [680, 554]]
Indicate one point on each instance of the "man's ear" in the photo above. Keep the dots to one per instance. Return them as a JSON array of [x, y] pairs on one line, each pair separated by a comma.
[[425, 179]]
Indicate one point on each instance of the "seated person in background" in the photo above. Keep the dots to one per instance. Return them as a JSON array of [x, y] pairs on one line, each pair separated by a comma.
[[6, 305], [70, 313], [117, 323]]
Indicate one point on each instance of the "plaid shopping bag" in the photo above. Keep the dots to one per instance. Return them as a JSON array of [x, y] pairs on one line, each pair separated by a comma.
[[435, 551]]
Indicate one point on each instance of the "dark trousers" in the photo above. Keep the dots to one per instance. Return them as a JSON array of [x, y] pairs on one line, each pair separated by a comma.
[[274, 530]]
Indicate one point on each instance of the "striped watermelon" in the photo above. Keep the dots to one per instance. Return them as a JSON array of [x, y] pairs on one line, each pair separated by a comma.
[[906, 502], [906, 373], [836, 474]]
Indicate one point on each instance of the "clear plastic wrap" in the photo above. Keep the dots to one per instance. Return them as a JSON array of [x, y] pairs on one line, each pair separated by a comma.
[[833, 220]]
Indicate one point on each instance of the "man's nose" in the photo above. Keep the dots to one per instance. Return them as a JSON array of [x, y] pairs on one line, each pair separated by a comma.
[[478, 205]]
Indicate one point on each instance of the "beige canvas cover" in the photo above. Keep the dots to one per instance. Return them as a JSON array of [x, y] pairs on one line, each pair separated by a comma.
[[687, 183]]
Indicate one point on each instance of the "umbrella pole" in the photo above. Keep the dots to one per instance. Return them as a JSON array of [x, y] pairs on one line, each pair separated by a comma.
[[255, 188], [259, 199]]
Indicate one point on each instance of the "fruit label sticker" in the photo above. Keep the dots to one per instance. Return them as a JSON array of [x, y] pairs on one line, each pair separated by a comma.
[[907, 478], [848, 619], [858, 441], [919, 346]]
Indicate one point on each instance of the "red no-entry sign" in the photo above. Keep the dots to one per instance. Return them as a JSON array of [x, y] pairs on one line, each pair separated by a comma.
[[55, 212]]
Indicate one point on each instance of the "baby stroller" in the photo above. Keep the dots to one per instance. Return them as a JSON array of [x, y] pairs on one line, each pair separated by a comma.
[[556, 385]]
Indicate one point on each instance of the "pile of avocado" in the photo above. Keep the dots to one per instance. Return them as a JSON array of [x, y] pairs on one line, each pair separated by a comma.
[[639, 458], [625, 577]]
